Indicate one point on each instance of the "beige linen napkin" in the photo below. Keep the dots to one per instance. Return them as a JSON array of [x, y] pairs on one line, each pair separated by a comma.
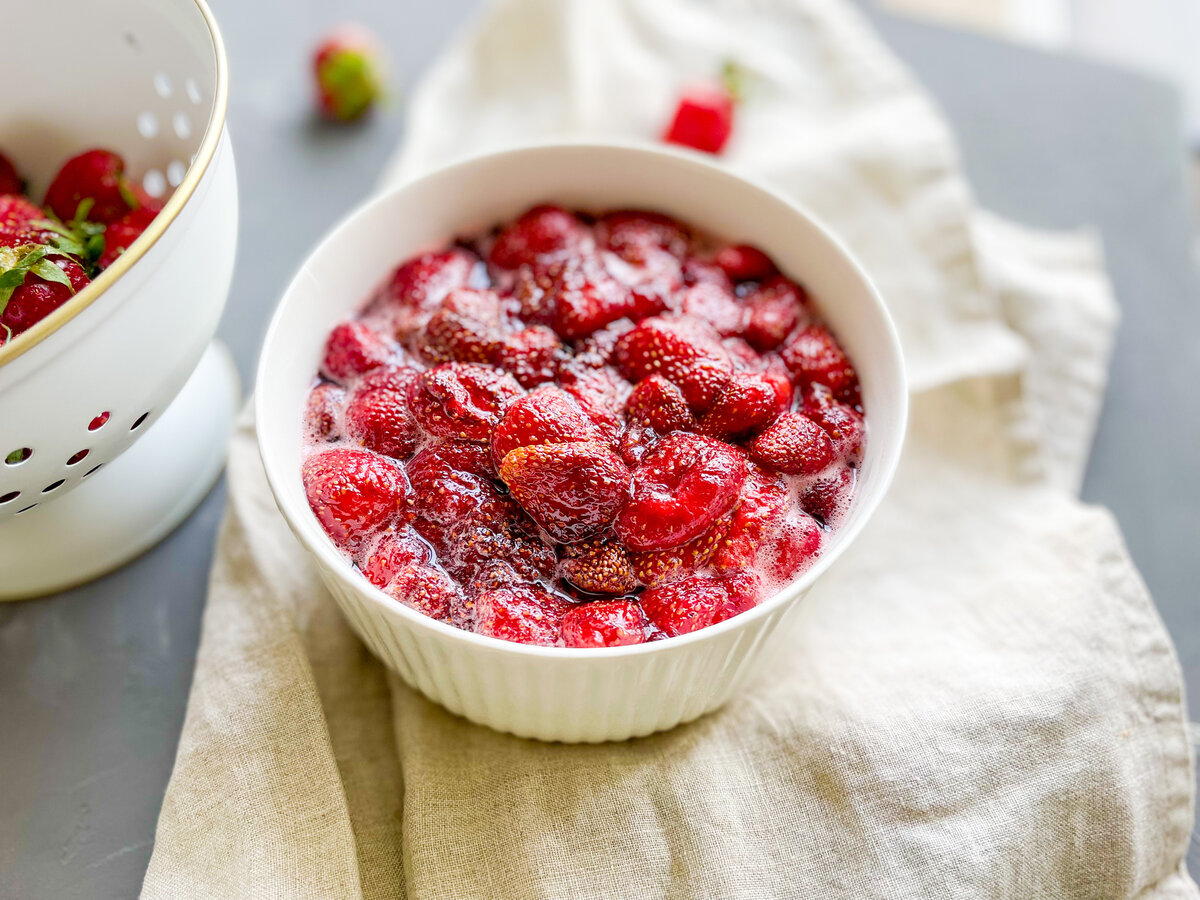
[[978, 701]]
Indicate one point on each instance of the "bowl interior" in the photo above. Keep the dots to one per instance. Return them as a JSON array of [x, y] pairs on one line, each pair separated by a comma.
[[148, 94], [355, 258]]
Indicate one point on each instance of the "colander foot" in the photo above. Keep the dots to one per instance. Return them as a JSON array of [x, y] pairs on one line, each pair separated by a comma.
[[134, 501]]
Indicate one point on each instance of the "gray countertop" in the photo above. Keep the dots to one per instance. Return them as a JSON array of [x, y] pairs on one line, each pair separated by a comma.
[[93, 682]]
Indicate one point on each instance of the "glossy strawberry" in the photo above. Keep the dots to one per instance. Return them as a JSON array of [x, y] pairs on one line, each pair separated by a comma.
[[468, 327], [354, 493], [773, 309], [452, 484], [842, 422], [696, 602], [828, 498], [377, 416], [749, 403], [428, 590], [714, 305], [548, 415], [33, 284], [394, 551], [572, 490], [10, 180], [598, 566], [633, 233], [703, 119], [347, 73], [761, 510], [742, 262], [683, 350], [658, 404], [420, 284], [352, 349], [539, 235], [655, 567], [99, 176], [814, 356], [684, 485], [460, 400], [604, 623], [532, 355], [600, 393], [793, 445], [17, 214], [522, 614], [323, 411], [120, 235], [583, 297]]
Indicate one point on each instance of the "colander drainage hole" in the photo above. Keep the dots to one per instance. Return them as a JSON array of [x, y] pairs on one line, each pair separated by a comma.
[[78, 457], [98, 422], [55, 486], [92, 469], [18, 456], [9, 497], [138, 424]]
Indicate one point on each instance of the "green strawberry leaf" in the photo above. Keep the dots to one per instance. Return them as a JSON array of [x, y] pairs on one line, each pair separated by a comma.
[[48, 271], [128, 195]]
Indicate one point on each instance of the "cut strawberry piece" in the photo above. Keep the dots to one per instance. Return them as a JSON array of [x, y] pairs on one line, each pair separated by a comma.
[[793, 445], [682, 607], [467, 327], [354, 494], [792, 548], [531, 356], [541, 234], [814, 356], [633, 233], [703, 119], [598, 566], [429, 591], [452, 484], [352, 349], [522, 614], [749, 403], [323, 412], [601, 394], [684, 485], [461, 400], [714, 305], [548, 415], [584, 298], [10, 180], [683, 350], [377, 416], [96, 175], [571, 490], [773, 309], [657, 403], [420, 284], [741, 262], [828, 498], [842, 422], [760, 513], [604, 623], [394, 551], [655, 567]]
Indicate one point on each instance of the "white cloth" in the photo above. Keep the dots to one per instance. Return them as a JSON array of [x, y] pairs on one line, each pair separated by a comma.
[[978, 701]]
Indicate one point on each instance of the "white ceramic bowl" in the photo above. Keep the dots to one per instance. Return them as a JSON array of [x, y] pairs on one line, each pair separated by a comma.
[[547, 692]]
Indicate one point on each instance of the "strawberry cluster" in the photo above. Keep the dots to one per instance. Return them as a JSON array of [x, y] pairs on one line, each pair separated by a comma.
[[90, 215], [583, 431]]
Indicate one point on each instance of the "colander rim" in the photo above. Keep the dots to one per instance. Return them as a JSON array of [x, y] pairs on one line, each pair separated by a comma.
[[214, 128]]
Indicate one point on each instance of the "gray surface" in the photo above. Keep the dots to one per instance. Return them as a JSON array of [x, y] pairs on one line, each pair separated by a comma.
[[93, 682]]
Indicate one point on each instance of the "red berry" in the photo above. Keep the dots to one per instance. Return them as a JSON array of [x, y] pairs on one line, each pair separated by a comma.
[[742, 262], [699, 271], [460, 400], [571, 490], [601, 394], [378, 417], [814, 356], [604, 623], [420, 284], [429, 591], [828, 498], [703, 119], [523, 614], [683, 350], [34, 298], [598, 566], [548, 415], [773, 309], [749, 403], [531, 356], [10, 180], [716, 306], [467, 327], [538, 236], [352, 349], [685, 606], [98, 175], [395, 550], [842, 422], [792, 548], [452, 484], [354, 494], [761, 510], [684, 485], [655, 567], [583, 297], [120, 235], [633, 233], [347, 73], [793, 445], [657, 403], [323, 412], [17, 215]]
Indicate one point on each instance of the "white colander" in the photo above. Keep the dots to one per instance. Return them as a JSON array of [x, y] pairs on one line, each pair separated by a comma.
[[147, 79]]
